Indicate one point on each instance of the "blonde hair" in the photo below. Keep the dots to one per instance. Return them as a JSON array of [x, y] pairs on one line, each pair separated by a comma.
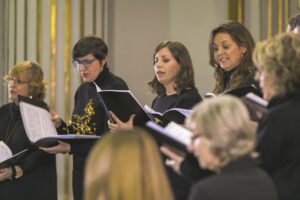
[[33, 74], [225, 123], [280, 57], [126, 165]]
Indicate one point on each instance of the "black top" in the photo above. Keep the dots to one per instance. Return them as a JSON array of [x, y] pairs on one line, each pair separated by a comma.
[[39, 168], [187, 99], [279, 144], [86, 91], [240, 179]]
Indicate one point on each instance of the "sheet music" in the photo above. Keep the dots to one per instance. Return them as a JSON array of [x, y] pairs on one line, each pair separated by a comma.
[[37, 121], [151, 111], [185, 112], [5, 152], [178, 132], [257, 99]]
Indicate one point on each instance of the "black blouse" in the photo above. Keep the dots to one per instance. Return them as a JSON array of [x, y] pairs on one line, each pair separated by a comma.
[[86, 92], [187, 99], [278, 142], [39, 168]]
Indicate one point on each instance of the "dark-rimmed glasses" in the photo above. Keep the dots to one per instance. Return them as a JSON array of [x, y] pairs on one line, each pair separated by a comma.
[[87, 63]]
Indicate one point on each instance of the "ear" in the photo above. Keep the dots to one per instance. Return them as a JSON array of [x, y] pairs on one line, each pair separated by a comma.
[[243, 49], [104, 61]]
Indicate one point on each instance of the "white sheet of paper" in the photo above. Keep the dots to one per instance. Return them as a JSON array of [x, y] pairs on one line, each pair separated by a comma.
[[37, 122], [5, 152]]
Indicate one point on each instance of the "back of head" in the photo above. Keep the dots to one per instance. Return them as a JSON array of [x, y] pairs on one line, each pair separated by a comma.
[[240, 35], [185, 76], [225, 122], [126, 165], [34, 75], [280, 57], [294, 23], [90, 45]]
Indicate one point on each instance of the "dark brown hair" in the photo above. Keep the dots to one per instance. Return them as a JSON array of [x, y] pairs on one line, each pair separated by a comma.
[[294, 21], [90, 45], [185, 76], [242, 37]]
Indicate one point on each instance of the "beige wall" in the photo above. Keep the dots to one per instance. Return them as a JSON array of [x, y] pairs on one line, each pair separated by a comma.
[[137, 26]]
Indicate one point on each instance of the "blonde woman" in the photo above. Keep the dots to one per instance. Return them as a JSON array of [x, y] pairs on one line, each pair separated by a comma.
[[223, 141], [278, 62], [35, 176], [126, 165]]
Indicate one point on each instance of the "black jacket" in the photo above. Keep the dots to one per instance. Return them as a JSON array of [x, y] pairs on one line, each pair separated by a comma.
[[87, 91], [279, 144], [240, 179], [39, 168], [187, 99]]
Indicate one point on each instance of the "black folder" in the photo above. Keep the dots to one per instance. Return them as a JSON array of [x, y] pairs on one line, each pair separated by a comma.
[[123, 104], [163, 138], [15, 159]]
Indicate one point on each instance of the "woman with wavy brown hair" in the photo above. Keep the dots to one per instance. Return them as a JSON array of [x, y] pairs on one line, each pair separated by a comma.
[[230, 54], [174, 85]]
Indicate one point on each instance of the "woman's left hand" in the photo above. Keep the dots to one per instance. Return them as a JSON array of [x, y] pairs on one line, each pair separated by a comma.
[[174, 161], [61, 147], [119, 124], [5, 173]]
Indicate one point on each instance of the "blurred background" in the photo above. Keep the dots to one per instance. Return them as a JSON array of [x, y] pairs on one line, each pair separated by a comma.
[[46, 30]]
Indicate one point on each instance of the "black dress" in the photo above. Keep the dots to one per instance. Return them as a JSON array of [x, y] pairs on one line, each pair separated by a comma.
[[87, 91], [39, 168], [279, 144], [240, 179], [187, 99]]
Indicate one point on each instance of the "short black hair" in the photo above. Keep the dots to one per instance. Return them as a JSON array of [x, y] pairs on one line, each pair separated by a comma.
[[294, 21], [90, 45]]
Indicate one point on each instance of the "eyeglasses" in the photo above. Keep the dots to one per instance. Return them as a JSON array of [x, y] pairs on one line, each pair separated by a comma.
[[86, 63], [15, 81]]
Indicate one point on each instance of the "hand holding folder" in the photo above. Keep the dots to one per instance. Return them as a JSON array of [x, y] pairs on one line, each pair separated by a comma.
[[39, 126], [7, 158]]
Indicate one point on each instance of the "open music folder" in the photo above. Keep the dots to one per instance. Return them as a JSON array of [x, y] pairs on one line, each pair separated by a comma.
[[39, 127], [7, 158], [177, 115], [173, 135], [123, 104]]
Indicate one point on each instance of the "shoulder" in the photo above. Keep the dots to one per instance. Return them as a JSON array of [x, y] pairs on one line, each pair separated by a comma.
[[191, 92], [204, 189], [114, 82], [288, 109], [83, 89], [5, 108], [188, 98]]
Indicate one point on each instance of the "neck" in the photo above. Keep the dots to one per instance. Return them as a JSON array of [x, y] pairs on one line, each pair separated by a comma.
[[170, 89]]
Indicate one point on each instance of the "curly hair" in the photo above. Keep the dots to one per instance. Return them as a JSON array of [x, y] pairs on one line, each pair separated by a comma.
[[242, 37], [224, 121], [280, 57], [185, 76], [34, 75]]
